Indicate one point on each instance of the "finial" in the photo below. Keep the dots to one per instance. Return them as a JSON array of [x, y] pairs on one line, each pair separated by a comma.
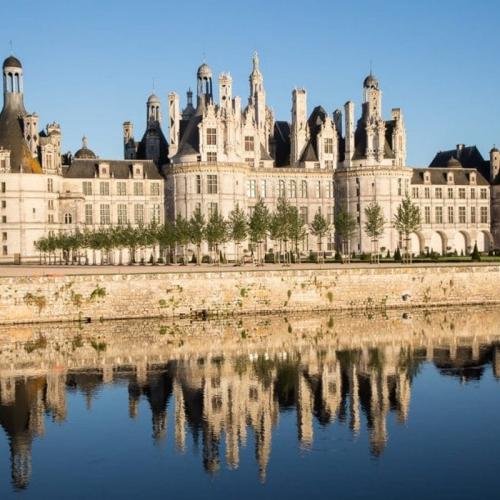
[[84, 142], [153, 84], [255, 60]]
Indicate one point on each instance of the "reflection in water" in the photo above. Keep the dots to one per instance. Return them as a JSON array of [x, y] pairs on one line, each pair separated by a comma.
[[228, 378]]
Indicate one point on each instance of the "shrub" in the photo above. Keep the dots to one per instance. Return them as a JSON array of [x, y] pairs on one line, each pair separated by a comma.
[[475, 256]]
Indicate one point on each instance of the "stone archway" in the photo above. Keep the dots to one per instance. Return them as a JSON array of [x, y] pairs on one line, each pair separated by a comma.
[[437, 243], [462, 243], [484, 241], [416, 243]]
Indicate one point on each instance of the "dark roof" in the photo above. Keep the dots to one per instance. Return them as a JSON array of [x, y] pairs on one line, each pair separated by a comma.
[[189, 143], [281, 143], [119, 169], [85, 153], [12, 138], [153, 130], [370, 81], [360, 140], [461, 176], [13, 62], [468, 156], [315, 121]]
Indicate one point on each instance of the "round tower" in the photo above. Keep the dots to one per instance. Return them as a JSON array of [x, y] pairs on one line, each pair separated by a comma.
[[13, 85], [153, 110], [204, 78], [494, 163]]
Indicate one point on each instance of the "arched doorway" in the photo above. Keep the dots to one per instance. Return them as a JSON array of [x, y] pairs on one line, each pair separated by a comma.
[[415, 244], [483, 241], [461, 243], [437, 243]]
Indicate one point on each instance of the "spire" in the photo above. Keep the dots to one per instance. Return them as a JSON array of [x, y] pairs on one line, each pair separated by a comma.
[[85, 142], [255, 61]]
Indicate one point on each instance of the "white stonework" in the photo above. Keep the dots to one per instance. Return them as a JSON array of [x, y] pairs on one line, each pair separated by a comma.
[[219, 153]]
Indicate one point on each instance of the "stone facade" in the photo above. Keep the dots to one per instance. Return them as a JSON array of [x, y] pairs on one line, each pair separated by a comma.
[[228, 293], [219, 154]]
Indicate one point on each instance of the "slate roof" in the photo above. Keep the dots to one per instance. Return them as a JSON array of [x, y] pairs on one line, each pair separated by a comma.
[[281, 143], [189, 143], [468, 156], [316, 119], [360, 140], [152, 130], [12, 138], [461, 176], [12, 62], [119, 169]]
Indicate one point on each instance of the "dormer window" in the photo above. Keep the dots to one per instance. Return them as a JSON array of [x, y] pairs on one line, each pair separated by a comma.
[[137, 170], [472, 178], [104, 170], [427, 178], [450, 178]]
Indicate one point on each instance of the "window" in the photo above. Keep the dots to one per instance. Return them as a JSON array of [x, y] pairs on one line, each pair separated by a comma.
[[461, 215], [4, 203], [303, 189], [304, 215], [450, 215], [89, 215], [318, 189], [450, 193], [484, 215], [4, 236], [122, 214], [461, 193], [68, 219], [5, 250], [293, 189], [250, 161], [139, 214], [427, 193], [211, 157], [329, 164], [484, 193], [51, 219], [263, 189], [50, 186], [415, 192], [328, 145], [4, 187], [400, 190], [87, 188], [439, 215], [330, 189], [104, 188], [427, 215], [155, 189], [51, 204], [211, 136], [212, 184], [138, 189], [121, 188], [472, 193], [105, 214], [4, 219], [252, 188], [439, 192], [472, 215], [198, 184], [249, 145], [281, 188], [155, 214], [212, 208]]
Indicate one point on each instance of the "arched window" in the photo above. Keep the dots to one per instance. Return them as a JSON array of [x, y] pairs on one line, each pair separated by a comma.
[[68, 219], [17, 87]]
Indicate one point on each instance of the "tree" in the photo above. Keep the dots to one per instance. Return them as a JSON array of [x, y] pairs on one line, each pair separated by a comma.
[[166, 239], [374, 227], [182, 234], [296, 229], [216, 232], [407, 221], [258, 225], [345, 226], [238, 229], [197, 228], [319, 228], [282, 220], [274, 229]]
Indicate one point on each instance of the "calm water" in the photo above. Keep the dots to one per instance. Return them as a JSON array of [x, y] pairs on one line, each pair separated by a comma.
[[328, 407]]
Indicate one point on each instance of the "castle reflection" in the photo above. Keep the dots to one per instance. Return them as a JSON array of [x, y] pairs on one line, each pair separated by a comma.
[[223, 380]]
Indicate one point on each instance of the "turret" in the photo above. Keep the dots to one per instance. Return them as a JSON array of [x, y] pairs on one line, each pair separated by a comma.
[[174, 121], [299, 124], [153, 110], [13, 86], [258, 95], [30, 129], [128, 141], [372, 97], [349, 132], [494, 164], [205, 90], [225, 90]]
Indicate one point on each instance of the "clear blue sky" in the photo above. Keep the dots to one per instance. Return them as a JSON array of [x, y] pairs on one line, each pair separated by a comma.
[[89, 65]]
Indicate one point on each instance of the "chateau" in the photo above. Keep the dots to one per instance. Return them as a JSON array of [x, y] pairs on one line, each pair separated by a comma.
[[216, 155]]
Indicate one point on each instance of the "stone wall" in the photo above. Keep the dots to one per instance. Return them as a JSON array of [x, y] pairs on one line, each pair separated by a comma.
[[236, 292]]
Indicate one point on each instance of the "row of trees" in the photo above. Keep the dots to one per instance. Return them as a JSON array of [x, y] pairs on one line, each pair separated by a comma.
[[285, 226]]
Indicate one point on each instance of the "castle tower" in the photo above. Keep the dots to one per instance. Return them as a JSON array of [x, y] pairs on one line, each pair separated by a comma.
[[258, 96], [494, 163], [13, 85], [299, 124], [30, 129], [349, 132], [129, 148], [205, 89], [225, 90], [153, 110], [189, 110], [372, 97], [174, 122]]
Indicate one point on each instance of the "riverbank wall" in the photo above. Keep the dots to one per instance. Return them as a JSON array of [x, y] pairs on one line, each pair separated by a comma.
[[95, 297]]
